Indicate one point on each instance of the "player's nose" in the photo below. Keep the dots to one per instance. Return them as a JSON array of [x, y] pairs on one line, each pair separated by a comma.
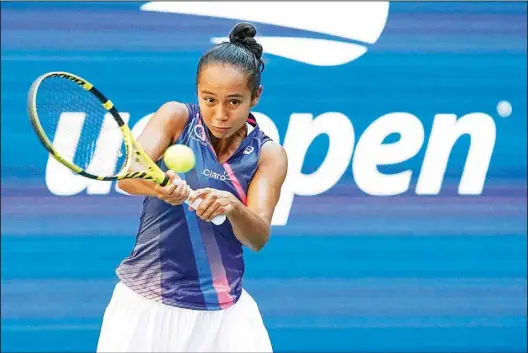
[[221, 114]]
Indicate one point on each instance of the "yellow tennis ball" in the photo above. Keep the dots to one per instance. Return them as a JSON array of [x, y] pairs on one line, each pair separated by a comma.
[[179, 158]]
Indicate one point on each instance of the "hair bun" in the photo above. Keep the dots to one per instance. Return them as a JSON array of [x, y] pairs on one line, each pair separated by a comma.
[[244, 34]]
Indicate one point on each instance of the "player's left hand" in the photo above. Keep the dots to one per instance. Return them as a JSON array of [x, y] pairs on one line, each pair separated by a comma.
[[214, 202]]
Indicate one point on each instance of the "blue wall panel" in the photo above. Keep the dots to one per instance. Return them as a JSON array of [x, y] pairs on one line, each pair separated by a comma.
[[349, 271]]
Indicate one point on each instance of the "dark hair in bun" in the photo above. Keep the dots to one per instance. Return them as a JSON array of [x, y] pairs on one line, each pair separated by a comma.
[[241, 51], [244, 34]]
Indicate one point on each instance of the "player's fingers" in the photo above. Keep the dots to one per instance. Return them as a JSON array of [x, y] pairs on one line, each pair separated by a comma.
[[181, 192], [186, 192], [179, 186], [203, 211], [213, 211], [193, 205], [167, 190], [170, 174], [220, 210], [158, 189], [200, 193]]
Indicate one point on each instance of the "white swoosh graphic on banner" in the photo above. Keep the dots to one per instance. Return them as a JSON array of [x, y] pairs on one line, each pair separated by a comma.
[[358, 21]]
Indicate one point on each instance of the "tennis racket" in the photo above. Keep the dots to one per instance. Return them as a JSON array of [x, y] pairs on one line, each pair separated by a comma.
[[89, 136]]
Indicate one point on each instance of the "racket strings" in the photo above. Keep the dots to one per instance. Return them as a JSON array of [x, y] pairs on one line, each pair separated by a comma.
[[80, 128]]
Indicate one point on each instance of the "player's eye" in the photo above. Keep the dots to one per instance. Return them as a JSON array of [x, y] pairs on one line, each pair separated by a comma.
[[234, 102], [209, 100]]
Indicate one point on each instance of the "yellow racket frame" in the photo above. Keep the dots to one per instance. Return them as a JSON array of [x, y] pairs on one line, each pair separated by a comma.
[[133, 149]]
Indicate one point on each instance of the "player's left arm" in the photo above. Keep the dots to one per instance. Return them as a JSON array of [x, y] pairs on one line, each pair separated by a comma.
[[252, 222]]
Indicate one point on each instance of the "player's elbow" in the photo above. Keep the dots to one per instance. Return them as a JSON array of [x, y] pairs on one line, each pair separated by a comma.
[[257, 247], [259, 242]]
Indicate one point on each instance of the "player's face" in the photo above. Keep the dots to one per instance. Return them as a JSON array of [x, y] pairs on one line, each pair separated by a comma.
[[224, 98]]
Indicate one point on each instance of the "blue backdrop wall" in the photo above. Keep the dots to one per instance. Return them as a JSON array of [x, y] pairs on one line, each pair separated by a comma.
[[346, 269]]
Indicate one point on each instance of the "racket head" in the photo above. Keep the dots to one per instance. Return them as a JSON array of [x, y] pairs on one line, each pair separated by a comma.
[[67, 113], [83, 130]]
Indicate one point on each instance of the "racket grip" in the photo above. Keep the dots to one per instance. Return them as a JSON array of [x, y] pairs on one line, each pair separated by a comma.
[[165, 181], [218, 220]]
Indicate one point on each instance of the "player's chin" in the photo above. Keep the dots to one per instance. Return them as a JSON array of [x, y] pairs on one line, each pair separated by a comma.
[[221, 133]]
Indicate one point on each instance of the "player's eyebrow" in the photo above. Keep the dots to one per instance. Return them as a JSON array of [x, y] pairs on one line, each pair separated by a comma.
[[234, 95], [207, 92]]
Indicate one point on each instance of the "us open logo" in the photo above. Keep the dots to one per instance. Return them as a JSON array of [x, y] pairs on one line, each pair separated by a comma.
[[351, 26]]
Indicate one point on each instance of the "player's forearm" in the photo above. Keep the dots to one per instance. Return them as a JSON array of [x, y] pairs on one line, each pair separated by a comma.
[[251, 229], [138, 187]]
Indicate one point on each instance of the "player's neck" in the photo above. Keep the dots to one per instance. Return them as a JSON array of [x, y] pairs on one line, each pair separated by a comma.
[[225, 147]]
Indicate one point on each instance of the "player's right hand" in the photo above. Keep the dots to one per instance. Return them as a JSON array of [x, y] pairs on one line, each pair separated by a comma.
[[175, 192]]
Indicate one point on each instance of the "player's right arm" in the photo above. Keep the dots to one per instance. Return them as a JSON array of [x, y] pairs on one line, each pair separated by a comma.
[[162, 130]]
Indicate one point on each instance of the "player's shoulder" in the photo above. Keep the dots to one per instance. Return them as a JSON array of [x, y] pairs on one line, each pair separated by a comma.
[[273, 153], [273, 162], [176, 116], [175, 109]]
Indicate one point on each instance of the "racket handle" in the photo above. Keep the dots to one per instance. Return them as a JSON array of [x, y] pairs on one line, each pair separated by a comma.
[[165, 180], [218, 220]]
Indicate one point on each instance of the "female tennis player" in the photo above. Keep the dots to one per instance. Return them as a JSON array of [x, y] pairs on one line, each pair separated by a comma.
[[181, 287]]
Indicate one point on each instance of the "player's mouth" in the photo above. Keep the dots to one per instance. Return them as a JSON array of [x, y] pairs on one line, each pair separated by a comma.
[[221, 129]]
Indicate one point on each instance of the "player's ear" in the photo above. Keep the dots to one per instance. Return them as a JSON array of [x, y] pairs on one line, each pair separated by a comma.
[[256, 98]]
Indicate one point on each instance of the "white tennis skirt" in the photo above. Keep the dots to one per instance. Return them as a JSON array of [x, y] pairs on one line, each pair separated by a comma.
[[132, 323]]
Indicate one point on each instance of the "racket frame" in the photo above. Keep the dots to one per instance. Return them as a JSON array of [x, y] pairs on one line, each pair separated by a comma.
[[133, 149]]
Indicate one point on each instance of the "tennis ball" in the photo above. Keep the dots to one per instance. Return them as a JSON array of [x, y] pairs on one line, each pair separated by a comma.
[[179, 158]]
